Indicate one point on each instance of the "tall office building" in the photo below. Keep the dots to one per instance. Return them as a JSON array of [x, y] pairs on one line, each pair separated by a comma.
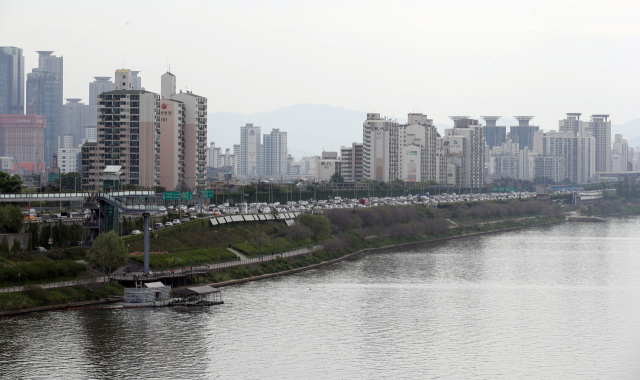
[[44, 97], [523, 132], [472, 171], [275, 153], [250, 151], [128, 136], [380, 148], [11, 81], [186, 161], [600, 128], [494, 135], [77, 116]]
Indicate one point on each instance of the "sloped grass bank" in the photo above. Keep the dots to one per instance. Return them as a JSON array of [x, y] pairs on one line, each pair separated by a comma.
[[35, 296]]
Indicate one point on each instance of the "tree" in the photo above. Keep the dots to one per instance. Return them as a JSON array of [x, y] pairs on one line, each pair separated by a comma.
[[11, 219], [10, 183], [109, 250], [69, 181], [320, 225], [260, 240], [336, 178]]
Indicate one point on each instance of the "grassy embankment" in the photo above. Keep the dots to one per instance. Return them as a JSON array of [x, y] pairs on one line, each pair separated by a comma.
[[386, 226], [35, 296], [198, 242]]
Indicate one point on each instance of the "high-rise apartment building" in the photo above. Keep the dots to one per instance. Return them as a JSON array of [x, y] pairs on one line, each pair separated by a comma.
[[494, 135], [380, 148], [577, 152], [136, 80], [97, 87], [523, 132], [190, 127], [571, 124], [128, 136], [44, 97], [417, 149], [22, 138], [250, 151], [619, 155], [275, 153], [77, 116], [600, 128], [11, 81], [473, 152], [351, 167]]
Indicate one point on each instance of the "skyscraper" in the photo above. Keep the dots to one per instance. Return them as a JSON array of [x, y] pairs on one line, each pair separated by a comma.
[[275, 152], [11, 81], [136, 80], [44, 97]]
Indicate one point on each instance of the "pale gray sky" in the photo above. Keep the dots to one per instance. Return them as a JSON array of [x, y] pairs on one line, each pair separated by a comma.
[[541, 58]]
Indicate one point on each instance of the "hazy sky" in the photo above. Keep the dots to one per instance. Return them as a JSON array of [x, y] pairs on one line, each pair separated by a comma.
[[542, 58]]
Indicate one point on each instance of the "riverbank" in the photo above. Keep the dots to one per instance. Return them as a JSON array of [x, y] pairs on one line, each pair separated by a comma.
[[35, 299], [369, 250]]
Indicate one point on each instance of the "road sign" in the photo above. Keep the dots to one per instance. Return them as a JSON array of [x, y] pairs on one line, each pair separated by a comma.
[[187, 195], [501, 189], [494, 189], [207, 193], [50, 240], [170, 196]]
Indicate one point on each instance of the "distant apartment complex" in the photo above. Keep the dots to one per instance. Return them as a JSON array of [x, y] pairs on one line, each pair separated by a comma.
[[351, 162], [275, 153]]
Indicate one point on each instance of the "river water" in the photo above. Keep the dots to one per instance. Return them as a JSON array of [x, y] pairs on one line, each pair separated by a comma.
[[552, 302]]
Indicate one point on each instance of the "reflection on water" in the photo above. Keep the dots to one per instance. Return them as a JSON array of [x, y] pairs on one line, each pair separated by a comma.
[[548, 302]]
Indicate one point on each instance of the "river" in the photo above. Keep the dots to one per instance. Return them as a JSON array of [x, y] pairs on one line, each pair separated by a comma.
[[551, 302]]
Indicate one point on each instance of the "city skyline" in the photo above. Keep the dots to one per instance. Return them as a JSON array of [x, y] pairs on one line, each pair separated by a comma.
[[519, 60]]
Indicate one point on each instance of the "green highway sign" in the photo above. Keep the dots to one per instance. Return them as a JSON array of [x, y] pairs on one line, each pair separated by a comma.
[[501, 189], [494, 189], [170, 196], [207, 193], [187, 195]]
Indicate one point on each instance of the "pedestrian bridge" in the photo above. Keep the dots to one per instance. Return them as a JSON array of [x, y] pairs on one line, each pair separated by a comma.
[[124, 201]]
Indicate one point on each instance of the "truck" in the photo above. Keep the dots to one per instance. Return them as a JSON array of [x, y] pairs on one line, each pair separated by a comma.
[[364, 201]]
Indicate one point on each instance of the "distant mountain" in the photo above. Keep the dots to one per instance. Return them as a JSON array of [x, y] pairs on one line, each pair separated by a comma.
[[629, 130]]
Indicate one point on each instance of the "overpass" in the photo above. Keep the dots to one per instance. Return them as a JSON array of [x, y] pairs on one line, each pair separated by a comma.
[[104, 207]]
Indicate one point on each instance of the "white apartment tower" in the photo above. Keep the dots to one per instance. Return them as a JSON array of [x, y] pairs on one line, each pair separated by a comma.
[[417, 147], [473, 153], [250, 151], [600, 128], [275, 153], [191, 151], [380, 148], [619, 155]]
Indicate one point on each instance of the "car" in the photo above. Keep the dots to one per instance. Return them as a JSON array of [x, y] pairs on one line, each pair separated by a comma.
[[176, 221], [136, 232], [193, 217], [40, 249], [168, 224]]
